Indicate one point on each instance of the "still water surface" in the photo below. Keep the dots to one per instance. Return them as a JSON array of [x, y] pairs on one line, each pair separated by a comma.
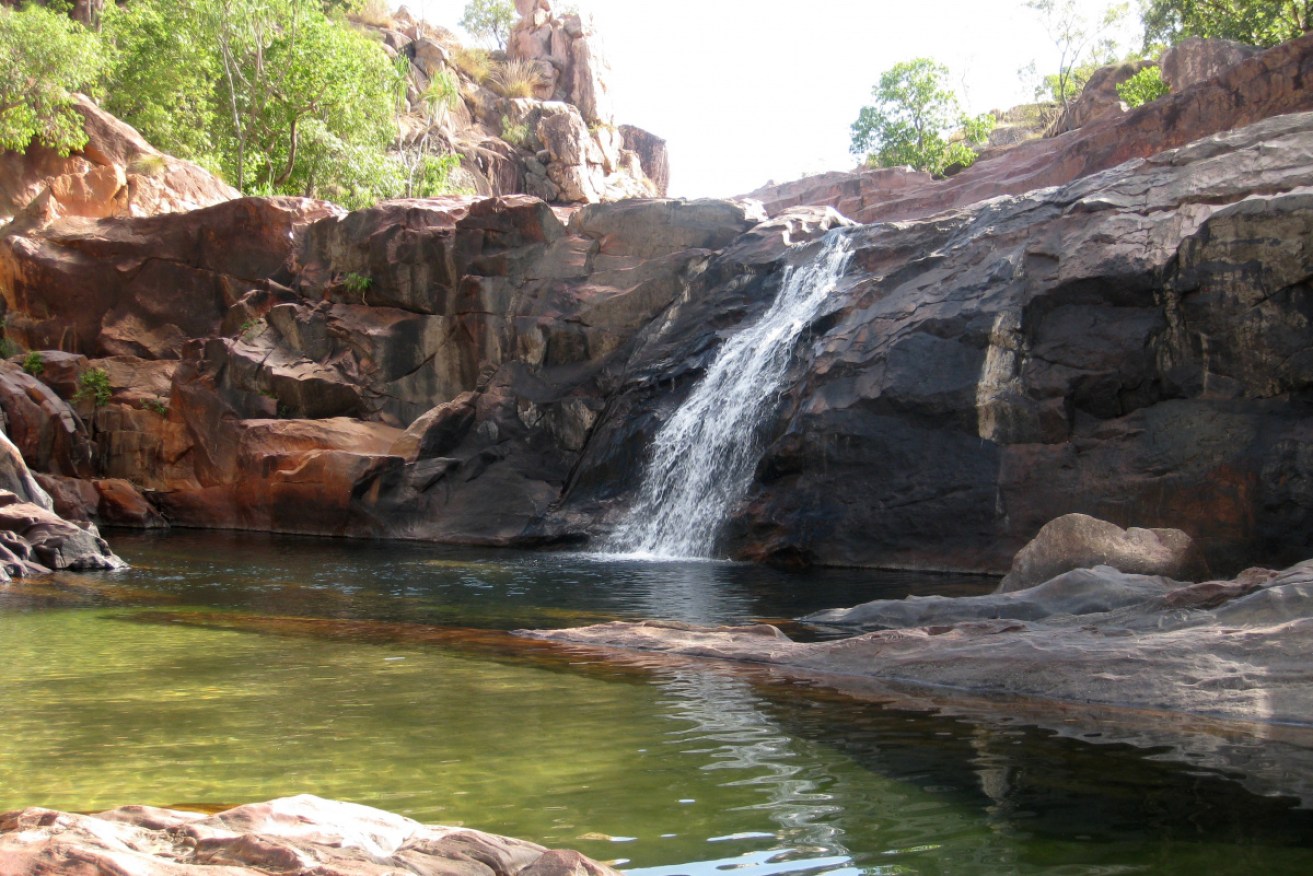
[[229, 668]]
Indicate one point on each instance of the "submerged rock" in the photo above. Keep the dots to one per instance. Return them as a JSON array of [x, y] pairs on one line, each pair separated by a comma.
[[291, 836]]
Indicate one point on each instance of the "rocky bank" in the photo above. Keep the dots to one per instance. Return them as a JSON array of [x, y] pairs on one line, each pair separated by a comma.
[[1113, 322], [292, 836]]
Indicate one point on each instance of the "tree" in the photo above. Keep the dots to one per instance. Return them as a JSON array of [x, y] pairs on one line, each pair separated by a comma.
[[162, 79], [1083, 44], [45, 57], [911, 119], [489, 20], [277, 95], [1256, 22]]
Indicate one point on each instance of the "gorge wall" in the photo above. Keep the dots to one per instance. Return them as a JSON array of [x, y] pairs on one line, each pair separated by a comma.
[[1073, 329]]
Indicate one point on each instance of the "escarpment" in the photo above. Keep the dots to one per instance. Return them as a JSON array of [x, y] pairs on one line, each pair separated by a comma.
[[1115, 333]]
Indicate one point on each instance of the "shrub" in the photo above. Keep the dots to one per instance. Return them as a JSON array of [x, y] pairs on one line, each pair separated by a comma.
[[474, 63], [1143, 87], [94, 384], [156, 406], [517, 78], [442, 94], [516, 135], [34, 363]]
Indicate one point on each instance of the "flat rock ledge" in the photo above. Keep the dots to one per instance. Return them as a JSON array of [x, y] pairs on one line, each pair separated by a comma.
[[1235, 650], [292, 836]]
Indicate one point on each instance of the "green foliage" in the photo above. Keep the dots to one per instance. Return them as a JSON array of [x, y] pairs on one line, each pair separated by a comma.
[[94, 384], [516, 135], [44, 58], [911, 121], [1143, 87], [489, 20], [156, 406], [8, 348], [34, 363], [1256, 22], [279, 96], [163, 77], [357, 284]]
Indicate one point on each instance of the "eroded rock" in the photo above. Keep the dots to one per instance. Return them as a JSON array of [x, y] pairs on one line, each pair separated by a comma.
[[1157, 646], [1078, 541], [293, 835]]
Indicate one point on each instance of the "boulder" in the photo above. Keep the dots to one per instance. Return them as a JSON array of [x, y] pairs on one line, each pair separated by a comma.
[[35, 540], [46, 430], [1194, 60], [301, 834], [117, 173], [652, 154], [1078, 541]]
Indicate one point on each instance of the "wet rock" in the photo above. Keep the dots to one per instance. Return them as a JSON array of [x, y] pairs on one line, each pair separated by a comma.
[[300, 835], [1078, 541]]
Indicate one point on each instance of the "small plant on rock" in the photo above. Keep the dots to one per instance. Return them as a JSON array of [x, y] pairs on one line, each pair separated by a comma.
[[474, 63], [93, 384], [157, 406], [34, 363], [357, 284], [516, 135], [148, 165]]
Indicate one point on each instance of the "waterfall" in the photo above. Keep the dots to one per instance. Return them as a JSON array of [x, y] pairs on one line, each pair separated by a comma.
[[703, 457]]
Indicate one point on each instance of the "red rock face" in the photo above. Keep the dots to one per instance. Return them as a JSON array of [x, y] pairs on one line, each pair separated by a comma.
[[143, 286]]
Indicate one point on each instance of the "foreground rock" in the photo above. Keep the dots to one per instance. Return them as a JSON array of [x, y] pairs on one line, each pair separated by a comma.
[[293, 836], [1230, 649]]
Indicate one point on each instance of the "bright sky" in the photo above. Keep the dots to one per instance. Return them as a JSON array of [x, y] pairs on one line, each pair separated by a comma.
[[747, 92]]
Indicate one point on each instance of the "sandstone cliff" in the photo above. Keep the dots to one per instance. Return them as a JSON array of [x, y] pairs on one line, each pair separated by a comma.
[[1113, 321]]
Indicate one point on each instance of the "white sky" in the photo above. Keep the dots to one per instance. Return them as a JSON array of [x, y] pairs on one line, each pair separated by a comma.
[[746, 92]]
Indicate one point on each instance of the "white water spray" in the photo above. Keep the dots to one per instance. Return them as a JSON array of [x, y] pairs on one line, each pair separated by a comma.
[[703, 457]]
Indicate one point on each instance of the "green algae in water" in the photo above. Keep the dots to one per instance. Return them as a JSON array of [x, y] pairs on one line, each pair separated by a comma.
[[99, 712], [194, 698]]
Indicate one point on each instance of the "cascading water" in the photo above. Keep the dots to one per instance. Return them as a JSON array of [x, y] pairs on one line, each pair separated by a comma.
[[703, 457]]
